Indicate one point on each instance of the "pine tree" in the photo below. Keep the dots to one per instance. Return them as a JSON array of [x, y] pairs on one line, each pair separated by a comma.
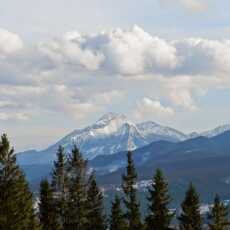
[[130, 199], [117, 219], [77, 198], [159, 217], [15, 198], [95, 216], [59, 185], [77, 166], [59, 177], [190, 218], [219, 216], [47, 215]]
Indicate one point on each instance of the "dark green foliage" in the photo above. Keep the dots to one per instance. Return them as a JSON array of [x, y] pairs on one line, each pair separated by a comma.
[[16, 205], [59, 185], [190, 218], [59, 176], [129, 181], [117, 219], [76, 164], [218, 216], [159, 215], [47, 214], [76, 203], [95, 216]]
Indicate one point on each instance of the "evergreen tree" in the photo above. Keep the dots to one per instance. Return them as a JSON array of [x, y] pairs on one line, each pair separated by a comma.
[[117, 219], [59, 185], [77, 198], [47, 214], [16, 202], [159, 217], [190, 218], [95, 216], [59, 176], [218, 216], [77, 166], [129, 181]]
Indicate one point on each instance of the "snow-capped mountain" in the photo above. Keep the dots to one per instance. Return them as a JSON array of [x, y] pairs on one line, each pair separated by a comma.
[[154, 132], [217, 131], [110, 134], [113, 133]]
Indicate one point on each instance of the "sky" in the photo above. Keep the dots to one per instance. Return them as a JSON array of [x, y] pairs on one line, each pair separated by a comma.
[[63, 64]]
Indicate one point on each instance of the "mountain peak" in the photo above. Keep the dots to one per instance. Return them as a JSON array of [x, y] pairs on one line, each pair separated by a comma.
[[217, 131], [107, 118]]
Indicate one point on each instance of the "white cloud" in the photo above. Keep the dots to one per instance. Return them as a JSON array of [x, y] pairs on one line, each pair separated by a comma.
[[13, 116], [123, 52], [87, 73], [203, 56], [151, 109], [194, 5], [136, 52], [180, 91], [71, 53], [9, 42], [191, 5]]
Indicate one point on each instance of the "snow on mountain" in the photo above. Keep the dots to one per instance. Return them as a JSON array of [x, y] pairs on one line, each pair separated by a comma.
[[193, 135], [217, 131], [210, 133], [110, 134], [113, 133], [155, 132]]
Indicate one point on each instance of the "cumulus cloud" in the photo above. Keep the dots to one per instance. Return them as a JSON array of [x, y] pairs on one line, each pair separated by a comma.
[[78, 74], [180, 91], [203, 56], [148, 108], [9, 42], [71, 53], [136, 53], [123, 52]]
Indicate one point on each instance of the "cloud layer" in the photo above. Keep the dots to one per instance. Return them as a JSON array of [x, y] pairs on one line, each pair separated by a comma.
[[80, 74], [148, 108]]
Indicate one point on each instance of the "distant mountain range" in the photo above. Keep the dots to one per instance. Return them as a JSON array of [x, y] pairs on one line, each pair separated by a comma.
[[112, 133], [205, 161], [203, 158]]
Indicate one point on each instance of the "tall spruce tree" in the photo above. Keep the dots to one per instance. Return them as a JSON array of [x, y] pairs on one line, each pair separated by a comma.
[[190, 218], [77, 198], [159, 215], [117, 219], [77, 166], [95, 216], [16, 202], [59, 176], [131, 202], [218, 218], [47, 214], [59, 185]]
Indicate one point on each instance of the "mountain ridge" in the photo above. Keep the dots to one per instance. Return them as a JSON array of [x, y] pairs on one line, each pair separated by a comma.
[[110, 134]]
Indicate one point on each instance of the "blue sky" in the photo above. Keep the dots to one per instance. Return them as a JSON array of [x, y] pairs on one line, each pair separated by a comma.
[[66, 63], [39, 20]]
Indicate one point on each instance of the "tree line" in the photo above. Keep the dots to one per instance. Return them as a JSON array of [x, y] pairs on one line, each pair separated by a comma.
[[72, 199]]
